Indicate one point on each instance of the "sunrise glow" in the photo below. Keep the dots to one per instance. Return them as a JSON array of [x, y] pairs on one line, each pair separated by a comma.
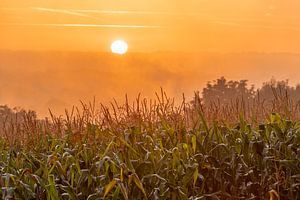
[[149, 99], [119, 47]]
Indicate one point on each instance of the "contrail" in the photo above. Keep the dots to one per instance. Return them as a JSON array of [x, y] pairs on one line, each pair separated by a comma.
[[62, 11], [80, 12], [132, 26], [128, 12], [86, 25], [86, 12]]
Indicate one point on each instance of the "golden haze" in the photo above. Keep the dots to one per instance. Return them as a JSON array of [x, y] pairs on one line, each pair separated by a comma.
[[54, 52], [158, 25]]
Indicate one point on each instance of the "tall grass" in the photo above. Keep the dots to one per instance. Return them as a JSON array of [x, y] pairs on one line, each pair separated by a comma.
[[154, 149]]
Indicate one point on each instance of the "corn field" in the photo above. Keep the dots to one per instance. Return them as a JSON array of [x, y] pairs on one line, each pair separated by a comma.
[[152, 149]]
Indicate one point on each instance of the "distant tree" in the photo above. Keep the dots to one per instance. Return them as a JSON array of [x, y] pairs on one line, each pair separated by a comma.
[[225, 92], [296, 94], [273, 89], [13, 115]]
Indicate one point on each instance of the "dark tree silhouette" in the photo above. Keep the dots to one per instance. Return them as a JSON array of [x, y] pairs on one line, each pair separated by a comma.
[[13, 115], [278, 90], [223, 99], [224, 92]]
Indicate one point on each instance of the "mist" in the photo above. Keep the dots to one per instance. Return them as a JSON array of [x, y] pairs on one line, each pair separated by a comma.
[[58, 80]]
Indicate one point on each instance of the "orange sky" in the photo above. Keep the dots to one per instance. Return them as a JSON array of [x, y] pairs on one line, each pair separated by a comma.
[[238, 39], [58, 80], [156, 25]]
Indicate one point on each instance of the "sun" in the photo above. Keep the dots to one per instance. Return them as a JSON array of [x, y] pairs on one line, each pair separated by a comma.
[[119, 47]]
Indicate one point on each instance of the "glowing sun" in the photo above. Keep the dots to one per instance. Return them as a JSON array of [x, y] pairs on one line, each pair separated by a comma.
[[119, 47]]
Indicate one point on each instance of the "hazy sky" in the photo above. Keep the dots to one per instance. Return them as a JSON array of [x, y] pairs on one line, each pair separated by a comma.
[[152, 25], [58, 79]]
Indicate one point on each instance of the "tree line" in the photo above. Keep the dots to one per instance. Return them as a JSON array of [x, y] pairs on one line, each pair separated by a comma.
[[224, 92], [218, 92]]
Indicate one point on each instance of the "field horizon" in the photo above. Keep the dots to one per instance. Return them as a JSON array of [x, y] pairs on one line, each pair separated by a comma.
[[155, 150], [108, 76]]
